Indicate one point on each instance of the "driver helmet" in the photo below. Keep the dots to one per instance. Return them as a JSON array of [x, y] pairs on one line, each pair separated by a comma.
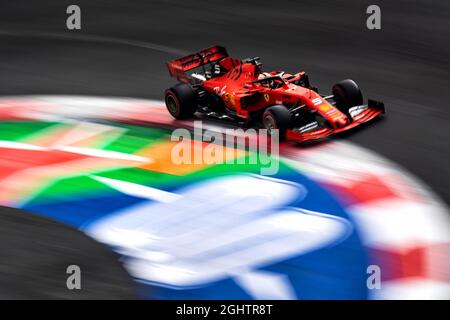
[[263, 75]]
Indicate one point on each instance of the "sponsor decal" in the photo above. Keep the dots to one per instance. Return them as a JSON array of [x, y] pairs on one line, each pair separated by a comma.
[[309, 126], [325, 108], [354, 111], [221, 91], [318, 101]]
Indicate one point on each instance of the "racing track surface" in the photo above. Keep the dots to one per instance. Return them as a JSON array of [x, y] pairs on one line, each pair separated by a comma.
[[122, 48], [37, 251]]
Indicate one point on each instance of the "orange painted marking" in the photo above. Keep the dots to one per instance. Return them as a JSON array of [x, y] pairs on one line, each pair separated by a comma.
[[196, 157]]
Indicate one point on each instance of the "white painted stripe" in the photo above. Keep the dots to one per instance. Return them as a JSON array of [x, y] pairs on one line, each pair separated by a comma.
[[64, 107], [105, 154], [138, 190], [340, 163], [265, 285], [395, 223], [20, 145], [412, 289]]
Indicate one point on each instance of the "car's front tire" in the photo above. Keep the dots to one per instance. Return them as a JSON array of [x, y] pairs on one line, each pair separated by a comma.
[[277, 117], [347, 95], [181, 101]]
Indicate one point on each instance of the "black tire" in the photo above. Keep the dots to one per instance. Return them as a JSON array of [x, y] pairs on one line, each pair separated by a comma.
[[181, 101], [347, 94], [277, 117]]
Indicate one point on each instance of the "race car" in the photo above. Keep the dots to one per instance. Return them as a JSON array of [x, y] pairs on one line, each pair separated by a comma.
[[226, 88]]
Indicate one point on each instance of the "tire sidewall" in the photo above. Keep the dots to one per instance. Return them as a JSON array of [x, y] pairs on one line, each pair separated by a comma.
[[282, 122], [171, 94], [268, 114], [347, 94], [185, 99]]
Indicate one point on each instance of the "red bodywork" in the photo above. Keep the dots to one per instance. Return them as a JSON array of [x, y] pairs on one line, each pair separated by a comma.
[[236, 87]]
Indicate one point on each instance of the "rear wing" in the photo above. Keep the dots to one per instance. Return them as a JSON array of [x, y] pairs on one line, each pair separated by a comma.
[[178, 67]]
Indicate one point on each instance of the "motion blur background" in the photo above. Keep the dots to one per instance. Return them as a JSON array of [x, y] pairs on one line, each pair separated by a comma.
[[405, 64], [122, 48]]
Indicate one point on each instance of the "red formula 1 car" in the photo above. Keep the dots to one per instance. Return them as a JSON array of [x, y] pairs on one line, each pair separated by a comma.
[[238, 90]]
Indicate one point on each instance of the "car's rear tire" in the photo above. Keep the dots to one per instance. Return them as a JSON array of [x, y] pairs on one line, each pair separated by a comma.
[[181, 101], [347, 94], [277, 117]]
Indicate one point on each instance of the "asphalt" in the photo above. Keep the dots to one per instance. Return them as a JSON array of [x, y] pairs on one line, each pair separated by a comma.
[[36, 254], [122, 47]]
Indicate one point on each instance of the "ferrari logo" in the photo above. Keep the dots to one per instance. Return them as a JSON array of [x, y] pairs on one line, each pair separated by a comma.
[[266, 97]]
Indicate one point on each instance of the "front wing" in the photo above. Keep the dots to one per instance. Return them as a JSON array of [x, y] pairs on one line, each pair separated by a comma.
[[361, 114]]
